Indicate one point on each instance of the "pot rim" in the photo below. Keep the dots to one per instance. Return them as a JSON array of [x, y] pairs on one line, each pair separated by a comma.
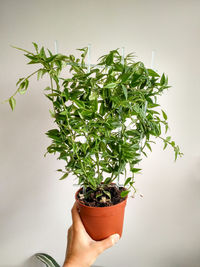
[[109, 207]]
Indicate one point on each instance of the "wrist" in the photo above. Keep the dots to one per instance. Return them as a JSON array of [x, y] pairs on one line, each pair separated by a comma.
[[74, 264]]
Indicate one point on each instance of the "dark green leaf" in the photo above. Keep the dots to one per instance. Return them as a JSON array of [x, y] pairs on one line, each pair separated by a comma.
[[64, 176], [107, 180], [162, 80], [47, 260], [149, 147]]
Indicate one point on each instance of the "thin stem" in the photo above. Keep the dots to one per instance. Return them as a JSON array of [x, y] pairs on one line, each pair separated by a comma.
[[18, 88], [22, 49], [97, 157], [69, 127], [51, 80]]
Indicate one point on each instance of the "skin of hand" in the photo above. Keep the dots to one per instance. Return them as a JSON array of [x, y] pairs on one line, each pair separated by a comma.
[[82, 250]]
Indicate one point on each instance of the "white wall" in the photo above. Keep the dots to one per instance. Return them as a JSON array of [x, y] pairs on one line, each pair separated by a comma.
[[162, 228]]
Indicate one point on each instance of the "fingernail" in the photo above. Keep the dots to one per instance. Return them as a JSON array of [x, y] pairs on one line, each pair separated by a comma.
[[115, 238]]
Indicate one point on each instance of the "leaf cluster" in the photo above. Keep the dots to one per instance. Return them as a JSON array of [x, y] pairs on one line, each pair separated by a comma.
[[105, 117]]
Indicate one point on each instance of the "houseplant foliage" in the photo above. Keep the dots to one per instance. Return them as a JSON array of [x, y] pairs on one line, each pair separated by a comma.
[[102, 114], [47, 260]]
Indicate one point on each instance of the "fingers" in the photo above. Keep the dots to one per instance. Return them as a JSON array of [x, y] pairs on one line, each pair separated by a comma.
[[77, 223], [69, 239], [69, 232], [107, 243]]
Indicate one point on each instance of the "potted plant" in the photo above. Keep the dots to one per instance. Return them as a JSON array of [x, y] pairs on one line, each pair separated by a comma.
[[105, 119]]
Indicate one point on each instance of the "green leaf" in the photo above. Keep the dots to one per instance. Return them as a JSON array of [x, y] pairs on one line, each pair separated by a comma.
[[144, 153], [125, 91], [132, 133], [51, 58], [127, 181], [102, 109], [64, 176], [124, 193], [79, 103], [23, 87], [63, 112], [93, 95], [52, 113], [162, 80], [149, 147], [125, 76], [36, 47], [109, 59], [165, 145], [47, 260], [152, 105], [173, 144], [42, 53], [110, 85], [107, 180], [153, 73], [164, 115], [19, 81], [39, 74], [99, 195], [47, 88], [166, 128], [135, 170], [12, 102], [107, 193]]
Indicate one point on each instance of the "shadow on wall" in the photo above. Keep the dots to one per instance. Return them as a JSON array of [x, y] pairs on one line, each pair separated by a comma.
[[34, 262], [30, 262]]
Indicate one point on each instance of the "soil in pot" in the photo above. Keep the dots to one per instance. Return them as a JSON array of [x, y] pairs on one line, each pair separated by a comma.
[[108, 196]]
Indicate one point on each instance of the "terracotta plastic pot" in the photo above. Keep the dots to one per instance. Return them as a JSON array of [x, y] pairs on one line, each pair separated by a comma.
[[101, 222]]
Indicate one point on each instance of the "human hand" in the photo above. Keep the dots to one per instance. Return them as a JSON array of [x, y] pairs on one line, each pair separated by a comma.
[[82, 250]]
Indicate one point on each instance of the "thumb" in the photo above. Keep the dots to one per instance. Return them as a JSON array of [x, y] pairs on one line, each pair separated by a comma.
[[108, 242]]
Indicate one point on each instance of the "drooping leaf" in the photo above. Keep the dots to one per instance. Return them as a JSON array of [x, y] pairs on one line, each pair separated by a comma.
[[127, 181], [164, 115], [12, 102], [64, 176]]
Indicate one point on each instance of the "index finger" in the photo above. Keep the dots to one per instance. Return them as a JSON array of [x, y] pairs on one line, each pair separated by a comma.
[[76, 217]]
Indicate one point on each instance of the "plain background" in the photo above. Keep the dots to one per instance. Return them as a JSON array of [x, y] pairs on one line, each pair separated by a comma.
[[161, 228]]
